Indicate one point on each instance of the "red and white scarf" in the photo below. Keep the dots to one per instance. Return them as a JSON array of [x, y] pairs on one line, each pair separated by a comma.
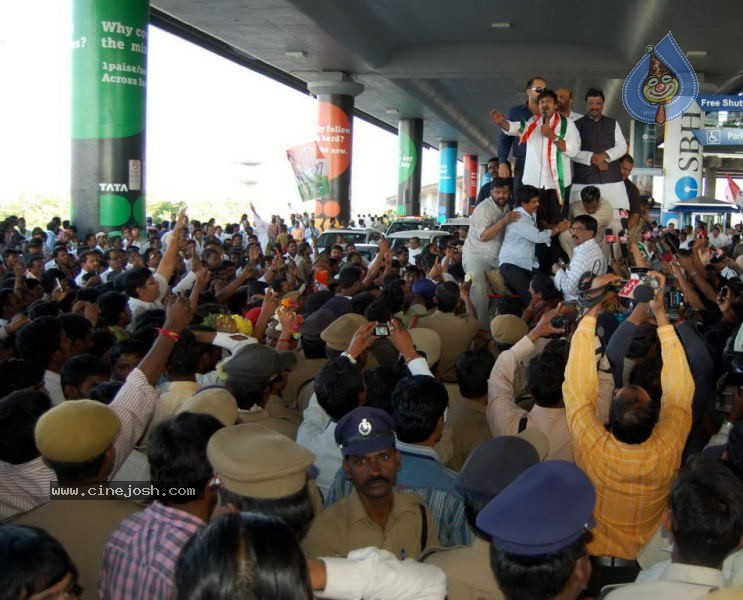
[[554, 154]]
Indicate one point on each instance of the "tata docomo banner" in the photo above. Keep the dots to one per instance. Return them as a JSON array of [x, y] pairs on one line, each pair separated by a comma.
[[109, 83]]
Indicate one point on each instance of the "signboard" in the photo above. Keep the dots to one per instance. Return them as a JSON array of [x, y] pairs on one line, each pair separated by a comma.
[[682, 158], [719, 136], [718, 103]]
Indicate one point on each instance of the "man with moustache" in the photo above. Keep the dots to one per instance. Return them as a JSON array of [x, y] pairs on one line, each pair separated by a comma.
[[483, 243], [587, 256], [373, 514], [599, 208], [506, 144], [551, 140], [602, 145]]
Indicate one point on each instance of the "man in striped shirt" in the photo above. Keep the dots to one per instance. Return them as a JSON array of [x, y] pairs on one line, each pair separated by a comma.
[[633, 460], [24, 484]]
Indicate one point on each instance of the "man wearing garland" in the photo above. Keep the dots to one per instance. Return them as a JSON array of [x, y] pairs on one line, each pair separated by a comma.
[[551, 140]]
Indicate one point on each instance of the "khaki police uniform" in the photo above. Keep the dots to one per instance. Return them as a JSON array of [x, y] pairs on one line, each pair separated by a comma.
[[345, 526], [469, 428], [468, 572], [260, 416], [456, 335], [82, 527], [301, 375]]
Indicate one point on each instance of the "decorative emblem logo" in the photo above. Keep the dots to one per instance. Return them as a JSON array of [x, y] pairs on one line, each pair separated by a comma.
[[662, 86]]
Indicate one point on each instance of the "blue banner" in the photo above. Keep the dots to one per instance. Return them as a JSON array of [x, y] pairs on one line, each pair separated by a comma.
[[448, 173], [718, 103], [720, 136]]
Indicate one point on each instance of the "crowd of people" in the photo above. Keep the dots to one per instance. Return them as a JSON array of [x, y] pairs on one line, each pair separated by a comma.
[[546, 405]]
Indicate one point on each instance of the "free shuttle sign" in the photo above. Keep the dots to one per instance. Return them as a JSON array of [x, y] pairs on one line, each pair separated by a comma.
[[718, 103], [720, 136]]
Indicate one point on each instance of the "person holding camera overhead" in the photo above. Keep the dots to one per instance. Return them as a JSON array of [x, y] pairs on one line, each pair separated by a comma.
[[587, 256]]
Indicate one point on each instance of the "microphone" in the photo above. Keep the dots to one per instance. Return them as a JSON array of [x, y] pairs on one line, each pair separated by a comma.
[[643, 293], [611, 239], [544, 117], [623, 245]]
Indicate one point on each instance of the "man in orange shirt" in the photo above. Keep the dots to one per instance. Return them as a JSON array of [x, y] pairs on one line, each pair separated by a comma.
[[632, 460]]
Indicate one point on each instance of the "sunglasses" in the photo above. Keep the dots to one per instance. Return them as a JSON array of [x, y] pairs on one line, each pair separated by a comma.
[[536, 89]]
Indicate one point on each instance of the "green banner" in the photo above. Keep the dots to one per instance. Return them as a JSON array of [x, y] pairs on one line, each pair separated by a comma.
[[109, 109], [109, 61], [408, 158]]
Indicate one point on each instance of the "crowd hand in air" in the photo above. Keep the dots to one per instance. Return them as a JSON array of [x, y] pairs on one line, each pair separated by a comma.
[[401, 340]]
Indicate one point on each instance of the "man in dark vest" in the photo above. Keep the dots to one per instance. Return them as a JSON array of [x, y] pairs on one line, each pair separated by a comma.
[[597, 163]]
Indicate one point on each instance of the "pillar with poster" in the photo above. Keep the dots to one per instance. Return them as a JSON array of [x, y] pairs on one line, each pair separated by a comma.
[[109, 91], [335, 92], [310, 169]]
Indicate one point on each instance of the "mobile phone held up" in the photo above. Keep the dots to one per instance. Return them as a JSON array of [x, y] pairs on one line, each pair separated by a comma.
[[382, 330]]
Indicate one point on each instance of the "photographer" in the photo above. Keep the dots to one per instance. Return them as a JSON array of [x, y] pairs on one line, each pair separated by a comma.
[[640, 449]]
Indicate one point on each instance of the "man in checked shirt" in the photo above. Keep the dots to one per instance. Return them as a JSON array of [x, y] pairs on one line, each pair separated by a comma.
[[587, 256], [633, 459]]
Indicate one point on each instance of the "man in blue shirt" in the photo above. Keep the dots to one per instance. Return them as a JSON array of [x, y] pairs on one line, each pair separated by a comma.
[[508, 144], [517, 260]]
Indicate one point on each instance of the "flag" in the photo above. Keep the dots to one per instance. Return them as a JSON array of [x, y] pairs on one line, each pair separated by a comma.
[[310, 169], [733, 193]]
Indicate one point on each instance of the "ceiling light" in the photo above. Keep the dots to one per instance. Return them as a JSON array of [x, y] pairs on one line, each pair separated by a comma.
[[501, 25], [391, 111], [696, 53], [296, 54]]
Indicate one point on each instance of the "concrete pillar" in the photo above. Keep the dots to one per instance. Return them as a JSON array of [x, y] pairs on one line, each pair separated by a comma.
[[335, 92], [410, 134], [712, 165], [469, 197], [109, 90], [710, 182], [447, 180]]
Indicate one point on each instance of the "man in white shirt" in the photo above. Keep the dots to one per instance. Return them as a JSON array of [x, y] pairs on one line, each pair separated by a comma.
[[483, 243], [414, 248], [145, 290], [116, 261], [587, 256], [88, 264], [717, 239], [706, 520], [551, 140]]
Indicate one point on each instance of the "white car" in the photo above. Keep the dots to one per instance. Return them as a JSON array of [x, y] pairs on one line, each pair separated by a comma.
[[366, 240], [411, 224], [455, 223], [357, 237], [426, 236]]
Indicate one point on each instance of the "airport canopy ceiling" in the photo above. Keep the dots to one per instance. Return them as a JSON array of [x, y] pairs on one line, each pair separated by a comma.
[[449, 62]]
